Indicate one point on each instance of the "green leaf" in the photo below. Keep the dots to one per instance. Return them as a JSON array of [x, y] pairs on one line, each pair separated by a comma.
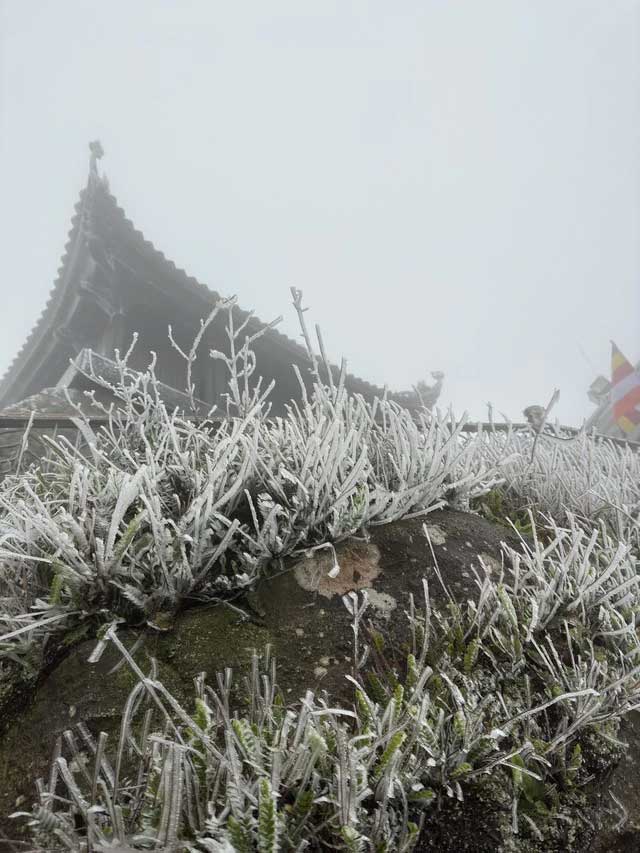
[[241, 836], [267, 819], [395, 742], [471, 655]]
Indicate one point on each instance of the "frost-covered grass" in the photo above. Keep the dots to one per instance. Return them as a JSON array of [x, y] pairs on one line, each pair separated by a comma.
[[586, 477], [515, 695], [159, 507]]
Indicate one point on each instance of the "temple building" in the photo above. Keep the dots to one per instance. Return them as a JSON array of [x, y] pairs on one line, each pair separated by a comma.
[[113, 283]]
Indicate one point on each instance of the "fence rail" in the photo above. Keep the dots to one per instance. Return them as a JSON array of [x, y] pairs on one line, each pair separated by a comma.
[[13, 427], [20, 422]]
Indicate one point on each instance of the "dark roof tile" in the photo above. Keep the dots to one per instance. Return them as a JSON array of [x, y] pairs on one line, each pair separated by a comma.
[[179, 275]]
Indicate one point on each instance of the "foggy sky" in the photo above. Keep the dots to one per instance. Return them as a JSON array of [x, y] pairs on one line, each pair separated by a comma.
[[454, 184]]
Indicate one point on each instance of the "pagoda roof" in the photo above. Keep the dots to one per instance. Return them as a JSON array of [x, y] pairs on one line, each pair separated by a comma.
[[152, 266]]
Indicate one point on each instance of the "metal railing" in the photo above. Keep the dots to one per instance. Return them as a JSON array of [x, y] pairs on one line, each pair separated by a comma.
[[13, 428]]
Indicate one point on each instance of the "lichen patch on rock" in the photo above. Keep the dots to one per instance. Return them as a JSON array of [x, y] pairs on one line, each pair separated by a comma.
[[359, 565], [382, 602], [436, 534], [494, 565]]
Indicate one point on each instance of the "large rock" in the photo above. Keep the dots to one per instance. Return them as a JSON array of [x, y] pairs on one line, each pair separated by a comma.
[[304, 606], [298, 611]]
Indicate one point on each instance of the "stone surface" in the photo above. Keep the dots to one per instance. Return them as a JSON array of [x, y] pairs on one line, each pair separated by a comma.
[[622, 835], [300, 613], [202, 640], [329, 571]]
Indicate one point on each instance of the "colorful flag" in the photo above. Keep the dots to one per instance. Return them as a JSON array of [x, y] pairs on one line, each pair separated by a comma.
[[625, 391]]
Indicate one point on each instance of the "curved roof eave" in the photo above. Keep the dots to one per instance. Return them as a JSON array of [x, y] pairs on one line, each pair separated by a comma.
[[209, 296], [179, 277], [37, 335]]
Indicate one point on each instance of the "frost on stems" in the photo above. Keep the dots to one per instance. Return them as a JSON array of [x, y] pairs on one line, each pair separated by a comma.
[[157, 508], [272, 777], [146, 513]]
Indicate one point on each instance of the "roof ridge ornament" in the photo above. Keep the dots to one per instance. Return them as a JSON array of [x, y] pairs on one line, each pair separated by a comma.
[[99, 249], [97, 153]]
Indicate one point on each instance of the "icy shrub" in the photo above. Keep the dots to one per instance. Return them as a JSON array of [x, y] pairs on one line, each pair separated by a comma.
[[162, 506], [504, 694], [586, 477]]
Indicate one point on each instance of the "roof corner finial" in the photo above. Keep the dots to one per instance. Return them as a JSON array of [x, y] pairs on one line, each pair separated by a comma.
[[97, 153]]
